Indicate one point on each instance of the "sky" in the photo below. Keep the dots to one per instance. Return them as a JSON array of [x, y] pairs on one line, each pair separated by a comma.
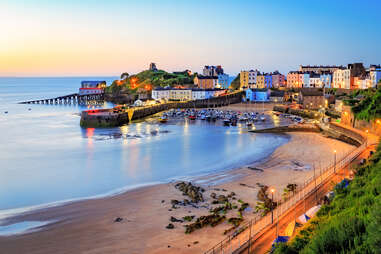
[[97, 38]]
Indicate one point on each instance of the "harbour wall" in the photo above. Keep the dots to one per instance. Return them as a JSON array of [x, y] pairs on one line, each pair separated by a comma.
[[107, 118]]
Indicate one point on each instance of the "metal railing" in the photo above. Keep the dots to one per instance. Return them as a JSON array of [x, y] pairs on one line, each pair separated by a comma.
[[243, 236]]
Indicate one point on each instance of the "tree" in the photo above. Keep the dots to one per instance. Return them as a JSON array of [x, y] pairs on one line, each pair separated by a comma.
[[124, 75], [236, 83]]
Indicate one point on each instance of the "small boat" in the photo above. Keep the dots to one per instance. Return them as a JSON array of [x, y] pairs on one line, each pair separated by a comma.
[[208, 118], [263, 118], [226, 122], [234, 122], [249, 123], [163, 119], [6, 112], [203, 117], [192, 117]]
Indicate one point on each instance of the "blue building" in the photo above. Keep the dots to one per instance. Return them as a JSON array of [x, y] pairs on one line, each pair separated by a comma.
[[223, 81], [326, 79], [268, 80], [257, 94]]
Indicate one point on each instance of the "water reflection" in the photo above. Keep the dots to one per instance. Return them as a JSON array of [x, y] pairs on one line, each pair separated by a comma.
[[53, 159]]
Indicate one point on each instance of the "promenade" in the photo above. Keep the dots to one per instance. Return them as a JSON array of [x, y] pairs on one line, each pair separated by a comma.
[[257, 235]]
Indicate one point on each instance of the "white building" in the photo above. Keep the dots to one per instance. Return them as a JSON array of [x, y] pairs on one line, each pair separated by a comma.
[[375, 74], [314, 80], [160, 93], [198, 94], [342, 79], [185, 94], [180, 94]]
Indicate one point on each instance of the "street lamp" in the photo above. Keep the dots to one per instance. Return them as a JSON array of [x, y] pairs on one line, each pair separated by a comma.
[[334, 151], [272, 190]]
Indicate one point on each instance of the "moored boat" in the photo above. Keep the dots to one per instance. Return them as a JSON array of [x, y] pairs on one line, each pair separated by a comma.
[[163, 119], [226, 122]]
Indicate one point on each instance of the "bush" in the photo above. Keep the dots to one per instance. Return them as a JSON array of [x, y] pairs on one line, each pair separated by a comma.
[[351, 223]]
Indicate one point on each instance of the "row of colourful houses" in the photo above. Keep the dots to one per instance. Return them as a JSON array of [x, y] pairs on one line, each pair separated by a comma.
[[185, 94], [255, 79], [212, 77], [308, 98], [353, 76]]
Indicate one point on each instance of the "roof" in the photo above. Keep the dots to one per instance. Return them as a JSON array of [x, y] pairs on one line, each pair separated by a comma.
[[321, 66], [277, 94], [208, 90], [206, 77], [312, 92], [92, 82], [314, 75], [159, 88], [259, 89]]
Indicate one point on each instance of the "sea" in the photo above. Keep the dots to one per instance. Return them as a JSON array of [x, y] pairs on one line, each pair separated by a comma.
[[46, 158]]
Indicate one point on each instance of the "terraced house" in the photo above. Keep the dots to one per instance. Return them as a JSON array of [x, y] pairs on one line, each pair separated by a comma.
[[206, 82], [248, 79]]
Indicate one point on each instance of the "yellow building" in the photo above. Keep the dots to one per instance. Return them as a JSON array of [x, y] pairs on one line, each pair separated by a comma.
[[205, 82], [248, 79], [261, 81], [243, 80]]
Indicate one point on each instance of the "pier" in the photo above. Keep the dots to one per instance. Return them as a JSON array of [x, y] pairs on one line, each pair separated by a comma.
[[74, 98]]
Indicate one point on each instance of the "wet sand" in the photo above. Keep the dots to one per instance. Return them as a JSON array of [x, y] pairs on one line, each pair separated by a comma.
[[88, 226]]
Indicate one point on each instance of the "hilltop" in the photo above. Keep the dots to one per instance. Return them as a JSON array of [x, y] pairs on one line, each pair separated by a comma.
[[149, 79]]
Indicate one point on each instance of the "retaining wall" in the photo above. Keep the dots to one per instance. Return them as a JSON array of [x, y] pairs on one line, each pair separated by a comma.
[[110, 119]]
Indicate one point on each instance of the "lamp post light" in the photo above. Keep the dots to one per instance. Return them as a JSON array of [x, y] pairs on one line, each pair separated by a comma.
[[334, 169], [272, 205]]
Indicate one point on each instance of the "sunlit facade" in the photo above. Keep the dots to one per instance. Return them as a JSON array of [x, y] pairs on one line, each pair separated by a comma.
[[248, 79], [342, 79]]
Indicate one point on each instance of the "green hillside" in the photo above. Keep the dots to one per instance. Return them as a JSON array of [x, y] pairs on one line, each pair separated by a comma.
[[351, 223], [235, 84], [370, 107], [149, 79]]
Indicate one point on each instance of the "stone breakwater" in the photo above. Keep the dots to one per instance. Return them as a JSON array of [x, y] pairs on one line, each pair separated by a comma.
[[109, 118], [290, 128]]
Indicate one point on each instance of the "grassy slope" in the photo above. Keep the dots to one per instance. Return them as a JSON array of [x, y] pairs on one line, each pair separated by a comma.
[[153, 78], [351, 223], [370, 107], [236, 82]]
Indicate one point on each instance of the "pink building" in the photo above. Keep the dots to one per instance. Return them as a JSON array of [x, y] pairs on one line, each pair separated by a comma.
[[295, 79], [278, 80]]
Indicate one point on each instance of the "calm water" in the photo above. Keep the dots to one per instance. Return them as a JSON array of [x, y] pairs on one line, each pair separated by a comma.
[[45, 156]]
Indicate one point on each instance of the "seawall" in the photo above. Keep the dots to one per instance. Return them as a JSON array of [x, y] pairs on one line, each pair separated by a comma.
[[108, 118]]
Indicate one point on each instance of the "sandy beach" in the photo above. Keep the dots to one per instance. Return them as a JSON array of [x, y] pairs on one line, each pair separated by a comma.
[[88, 226]]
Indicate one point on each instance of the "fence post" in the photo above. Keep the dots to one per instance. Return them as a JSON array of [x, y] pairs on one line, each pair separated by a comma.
[[230, 244], [248, 249]]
